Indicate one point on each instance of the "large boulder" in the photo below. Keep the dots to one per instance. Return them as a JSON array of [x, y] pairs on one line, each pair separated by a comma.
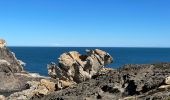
[[75, 67], [9, 84], [36, 88]]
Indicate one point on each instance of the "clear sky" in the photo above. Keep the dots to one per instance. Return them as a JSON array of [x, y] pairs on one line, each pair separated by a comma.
[[114, 23]]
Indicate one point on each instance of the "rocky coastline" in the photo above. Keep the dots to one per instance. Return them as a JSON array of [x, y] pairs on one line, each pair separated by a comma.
[[83, 77]]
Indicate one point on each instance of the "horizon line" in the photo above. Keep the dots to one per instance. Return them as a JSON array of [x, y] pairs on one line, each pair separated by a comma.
[[96, 46]]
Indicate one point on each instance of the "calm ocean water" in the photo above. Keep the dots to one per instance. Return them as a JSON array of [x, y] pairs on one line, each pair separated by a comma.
[[37, 58]]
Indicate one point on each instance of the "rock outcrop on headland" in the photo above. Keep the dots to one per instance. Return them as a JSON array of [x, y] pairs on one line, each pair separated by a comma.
[[15, 82], [75, 67], [9, 65]]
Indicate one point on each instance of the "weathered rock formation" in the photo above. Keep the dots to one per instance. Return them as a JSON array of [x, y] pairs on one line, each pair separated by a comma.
[[132, 82], [75, 67]]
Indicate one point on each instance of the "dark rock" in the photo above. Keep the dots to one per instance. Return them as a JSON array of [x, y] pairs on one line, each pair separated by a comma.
[[139, 82]]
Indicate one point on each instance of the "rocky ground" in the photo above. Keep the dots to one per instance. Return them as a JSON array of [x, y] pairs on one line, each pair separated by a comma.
[[132, 82], [83, 77]]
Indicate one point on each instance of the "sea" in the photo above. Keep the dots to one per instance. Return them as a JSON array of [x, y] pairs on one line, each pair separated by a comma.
[[37, 58]]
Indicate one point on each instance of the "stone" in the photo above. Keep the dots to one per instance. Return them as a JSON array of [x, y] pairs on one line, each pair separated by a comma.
[[2, 97], [48, 84], [65, 84], [52, 71], [2, 61], [167, 80], [75, 67], [164, 87], [9, 82], [2, 43], [129, 98], [105, 71], [42, 90], [5, 66], [36, 88]]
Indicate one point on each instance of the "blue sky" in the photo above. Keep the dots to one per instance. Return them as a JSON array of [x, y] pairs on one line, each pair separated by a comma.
[[111, 23]]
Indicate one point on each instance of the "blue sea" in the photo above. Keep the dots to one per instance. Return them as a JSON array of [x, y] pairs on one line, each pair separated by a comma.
[[37, 58]]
